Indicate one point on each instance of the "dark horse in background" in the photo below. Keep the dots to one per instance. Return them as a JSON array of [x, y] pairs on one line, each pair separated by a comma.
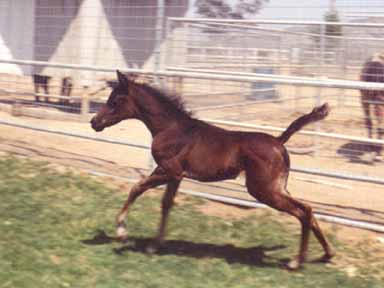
[[373, 71], [187, 147], [42, 81]]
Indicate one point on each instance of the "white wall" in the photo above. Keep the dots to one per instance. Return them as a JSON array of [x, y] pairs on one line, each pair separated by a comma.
[[86, 39], [16, 33], [114, 33]]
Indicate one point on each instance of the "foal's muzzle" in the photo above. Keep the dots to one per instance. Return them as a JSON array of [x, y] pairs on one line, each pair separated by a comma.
[[96, 125]]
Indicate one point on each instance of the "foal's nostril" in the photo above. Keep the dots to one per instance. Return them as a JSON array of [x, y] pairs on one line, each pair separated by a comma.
[[97, 125], [93, 122]]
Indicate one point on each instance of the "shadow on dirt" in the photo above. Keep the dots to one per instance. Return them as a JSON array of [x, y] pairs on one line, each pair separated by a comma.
[[230, 253], [358, 152]]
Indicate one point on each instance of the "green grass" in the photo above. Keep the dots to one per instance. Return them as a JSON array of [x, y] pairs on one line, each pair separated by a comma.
[[52, 226]]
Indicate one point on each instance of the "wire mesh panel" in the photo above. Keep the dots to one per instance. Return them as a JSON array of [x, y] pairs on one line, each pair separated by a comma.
[[284, 50]]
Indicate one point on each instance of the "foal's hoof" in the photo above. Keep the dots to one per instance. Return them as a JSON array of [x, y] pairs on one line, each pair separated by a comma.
[[327, 257], [293, 265], [121, 234], [153, 247]]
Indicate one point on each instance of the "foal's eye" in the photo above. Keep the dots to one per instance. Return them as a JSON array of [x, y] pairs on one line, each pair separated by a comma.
[[116, 102]]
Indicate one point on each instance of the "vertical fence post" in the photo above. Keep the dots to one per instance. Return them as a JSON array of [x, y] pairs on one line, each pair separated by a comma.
[[160, 14], [322, 47], [318, 97], [159, 29], [168, 43], [89, 16], [297, 97], [85, 103], [341, 96]]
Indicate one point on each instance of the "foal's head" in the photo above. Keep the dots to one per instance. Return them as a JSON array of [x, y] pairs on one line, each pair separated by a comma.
[[120, 105]]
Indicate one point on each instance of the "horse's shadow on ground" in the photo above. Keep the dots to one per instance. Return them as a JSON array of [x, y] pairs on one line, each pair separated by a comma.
[[357, 152], [255, 256]]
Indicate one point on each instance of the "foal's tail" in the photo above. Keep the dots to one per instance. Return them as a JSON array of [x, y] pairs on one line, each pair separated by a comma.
[[318, 113]]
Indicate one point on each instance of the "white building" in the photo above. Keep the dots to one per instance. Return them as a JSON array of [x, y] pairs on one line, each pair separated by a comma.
[[112, 33]]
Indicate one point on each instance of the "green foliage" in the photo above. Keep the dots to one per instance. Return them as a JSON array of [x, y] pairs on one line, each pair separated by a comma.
[[329, 30], [50, 224], [332, 30], [239, 9]]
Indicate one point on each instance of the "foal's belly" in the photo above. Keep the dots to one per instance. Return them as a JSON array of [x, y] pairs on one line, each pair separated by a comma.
[[213, 158], [212, 176], [213, 169]]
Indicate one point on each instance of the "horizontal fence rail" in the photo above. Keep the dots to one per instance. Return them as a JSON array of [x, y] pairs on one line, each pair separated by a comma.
[[14, 91], [257, 28], [233, 76], [278, 22]]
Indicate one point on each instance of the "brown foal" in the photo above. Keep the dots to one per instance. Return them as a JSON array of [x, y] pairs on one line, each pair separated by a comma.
[[187, 147]]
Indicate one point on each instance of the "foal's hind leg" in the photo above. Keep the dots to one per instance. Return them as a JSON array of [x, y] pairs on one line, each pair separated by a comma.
[[155, 179], [328, 251], [272, 194]]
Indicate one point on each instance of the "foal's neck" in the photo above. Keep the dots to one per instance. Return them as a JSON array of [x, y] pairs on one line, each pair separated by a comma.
[[157, 116]]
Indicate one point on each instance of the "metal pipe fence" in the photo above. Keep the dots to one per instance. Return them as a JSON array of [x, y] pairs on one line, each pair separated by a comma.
[[218, 75], [284, 49], [277, 22], [234, 77], [254, 75]]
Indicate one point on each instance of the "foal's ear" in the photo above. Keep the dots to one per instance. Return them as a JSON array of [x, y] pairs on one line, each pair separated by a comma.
[[132, 76], [123, 80]]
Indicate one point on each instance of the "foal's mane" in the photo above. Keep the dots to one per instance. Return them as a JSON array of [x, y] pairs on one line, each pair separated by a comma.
[[169, 99]]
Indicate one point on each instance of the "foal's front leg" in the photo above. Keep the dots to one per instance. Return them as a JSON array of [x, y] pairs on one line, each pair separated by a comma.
[[158, 177], [166, 205]]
